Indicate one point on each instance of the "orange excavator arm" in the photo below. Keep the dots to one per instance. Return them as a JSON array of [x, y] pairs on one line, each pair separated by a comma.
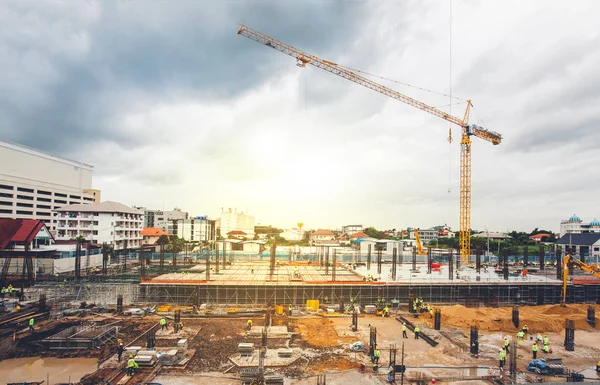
[[569, 260]]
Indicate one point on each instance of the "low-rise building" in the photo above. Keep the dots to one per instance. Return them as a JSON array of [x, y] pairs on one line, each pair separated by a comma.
[[231, 220], [111, 222], [151, 235], [584, 245], [352, 229], [576, 225], [294, 234], [321, 236], [198, 229], [426, 235]]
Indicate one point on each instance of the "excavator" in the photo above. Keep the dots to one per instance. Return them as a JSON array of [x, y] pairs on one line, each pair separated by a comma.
[[420, 250], [567, 261]]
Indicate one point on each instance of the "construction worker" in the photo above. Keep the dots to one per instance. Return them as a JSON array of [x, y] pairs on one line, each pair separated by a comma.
[[179, 327], [249, 324], [10, 290], [386, 311], [131, 366], [404, 330], [546, 349], [431, 313], [163, 323], [520, 335], [3, 292], [290, 309], [376, 355], [545, 340], [414, 307], [31, 322], [534, 350], [326, 299], [417, 331], [539, 337], [252, 269], [525, 329], [502, 358], [598, 367], [120, 350]]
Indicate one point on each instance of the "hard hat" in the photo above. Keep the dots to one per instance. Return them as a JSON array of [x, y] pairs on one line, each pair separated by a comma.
[[403, 323], [535, 343], [130, 356], [121, 344], [30, 317], [377, 348]]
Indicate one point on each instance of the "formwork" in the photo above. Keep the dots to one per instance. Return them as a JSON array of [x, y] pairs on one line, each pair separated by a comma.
[[81, 337]]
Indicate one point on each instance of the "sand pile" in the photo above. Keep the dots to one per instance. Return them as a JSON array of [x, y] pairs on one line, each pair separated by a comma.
[[333, 364], [320, 332], [546, 318]]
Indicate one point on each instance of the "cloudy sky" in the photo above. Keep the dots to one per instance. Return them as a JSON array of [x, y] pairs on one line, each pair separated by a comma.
[[173, 108]]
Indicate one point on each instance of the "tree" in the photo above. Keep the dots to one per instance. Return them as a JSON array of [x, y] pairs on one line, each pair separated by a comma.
[[79, 239], [176, 245], [163, 240]]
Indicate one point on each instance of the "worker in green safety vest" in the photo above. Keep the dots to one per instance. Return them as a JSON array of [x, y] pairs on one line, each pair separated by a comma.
[[131, 366], [534, 350], [545, 340], [520, 335], [404, 330], [502, 358], [417, 331], [386, 311], [376, 355], [3, 292], [10, 290], [163, 323], [31, 322]]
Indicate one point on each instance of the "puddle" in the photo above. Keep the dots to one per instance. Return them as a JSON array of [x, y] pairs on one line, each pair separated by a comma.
[[50, 370]]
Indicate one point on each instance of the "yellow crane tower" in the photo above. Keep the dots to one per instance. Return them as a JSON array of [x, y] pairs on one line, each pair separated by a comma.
[[420, 250], [468, 130]]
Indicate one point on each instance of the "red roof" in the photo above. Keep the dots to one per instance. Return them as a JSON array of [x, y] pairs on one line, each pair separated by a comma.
[[153, 232], [236, 232], [360, 234], [323, 232], [21, 231], [539, 236]]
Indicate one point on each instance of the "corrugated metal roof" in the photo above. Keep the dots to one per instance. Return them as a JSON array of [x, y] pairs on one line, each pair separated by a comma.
[[585, 239]]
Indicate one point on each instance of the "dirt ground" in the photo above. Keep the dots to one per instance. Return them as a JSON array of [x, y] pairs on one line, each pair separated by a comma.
[[545, 318], [319, 332]]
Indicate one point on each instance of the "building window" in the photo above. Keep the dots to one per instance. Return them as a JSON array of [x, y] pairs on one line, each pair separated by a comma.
[[41, 213], [43, 207], [5, 203], [21, 212], [60, 195], [596, 248], [94, 232], [60, 201], [25, 197], [5, 195], [29, 190], [45, 200], [95, 223], [74, 197], [88, 199], [19, 204], [6, 187], [42, 192], [73, 203], [2, 211]]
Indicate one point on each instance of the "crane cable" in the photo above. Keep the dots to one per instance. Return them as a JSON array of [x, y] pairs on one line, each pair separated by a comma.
[[399, 82], [450, 98]]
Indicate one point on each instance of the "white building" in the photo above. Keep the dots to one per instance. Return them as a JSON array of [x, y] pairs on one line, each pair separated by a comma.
[[110, 222], [575, 225], [231, 220], [34, 183], [426, 235], [161, 219], [322, 236], [199, 229], [292, 234], [352, 229]]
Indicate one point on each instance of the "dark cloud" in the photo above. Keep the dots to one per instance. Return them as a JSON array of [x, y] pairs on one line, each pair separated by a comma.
[[141, 53]]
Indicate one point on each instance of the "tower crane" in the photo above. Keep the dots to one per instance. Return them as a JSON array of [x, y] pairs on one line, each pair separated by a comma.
[[468, 130]]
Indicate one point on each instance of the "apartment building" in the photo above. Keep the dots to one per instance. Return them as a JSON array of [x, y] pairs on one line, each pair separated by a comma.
[[199, 229], [231, 220], [110, 222], [34, 183]]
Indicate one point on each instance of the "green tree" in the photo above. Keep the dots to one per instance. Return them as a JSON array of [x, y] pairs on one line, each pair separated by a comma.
[[373, 232], [163, 240], [176, 245], [79, 239]]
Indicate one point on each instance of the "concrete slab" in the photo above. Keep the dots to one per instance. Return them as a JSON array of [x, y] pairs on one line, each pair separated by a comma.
[[272, 359]]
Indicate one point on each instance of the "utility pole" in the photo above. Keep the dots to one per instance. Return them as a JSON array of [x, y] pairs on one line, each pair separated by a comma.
[[402, 366]]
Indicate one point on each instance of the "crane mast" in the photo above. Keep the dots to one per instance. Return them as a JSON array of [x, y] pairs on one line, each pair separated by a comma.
[[468, 130]]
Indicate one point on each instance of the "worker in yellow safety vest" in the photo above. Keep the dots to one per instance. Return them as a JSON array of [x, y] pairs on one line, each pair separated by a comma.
[[404, 330], [417, 331], [534, 350], [376, 355], [502, 358], [386, 311], [131, 366], [545, 340], [31, 322], [520, 335], [3, 292], [163, 323], [10, 289], [249, 324]]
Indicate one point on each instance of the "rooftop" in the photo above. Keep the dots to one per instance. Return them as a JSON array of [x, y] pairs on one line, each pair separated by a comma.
[[21, 231], [153, 232], [34, 151], [323, 232], [585, 239], [104, 207]]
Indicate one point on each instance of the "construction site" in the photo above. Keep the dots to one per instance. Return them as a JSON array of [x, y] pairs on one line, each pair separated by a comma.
[[329, 315]]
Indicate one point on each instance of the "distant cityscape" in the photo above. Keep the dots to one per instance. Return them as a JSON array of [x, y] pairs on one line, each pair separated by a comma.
[[59, 192]]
